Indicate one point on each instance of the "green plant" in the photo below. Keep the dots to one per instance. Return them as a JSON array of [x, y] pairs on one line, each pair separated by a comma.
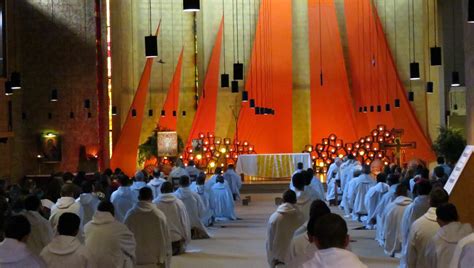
[[450, 144]]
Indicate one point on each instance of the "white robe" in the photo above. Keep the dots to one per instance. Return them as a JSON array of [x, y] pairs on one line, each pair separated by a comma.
[[392, 225], [304, 200], [318, 188], [89, 203], [110, 241], [23, 257], [347, 177], [234, 181], [347, 195], [373, 196], [329, 258], [463, 256], [176, 216], [280, 229], [213, 180], [137, 185], [177, 172], [63, 205], [41, 231], [331, 181], [149, 226], [124, 198], [67, 251], [362, 184], [387, 198], [194, 207], [222, 202], [155, 186], [440, 249], [193, 172], [421, 232], [347, 171], [301, 249], [206, 219]]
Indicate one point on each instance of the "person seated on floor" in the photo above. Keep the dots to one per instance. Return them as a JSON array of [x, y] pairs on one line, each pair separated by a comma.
[[373, 196], [280, 229], [316, 184], [378, 217], [221, 201], [138, 181], [124, 198], [303, 195], [362, 184], [422, 231], [463, 256], [330, 235], [192, 170], [234, 181], [65, 250], [198, 187], [176, 217], [440, 249], [194, 207], [41, 230], [67, 203], [88, 200], [110, 241], [13, 250], [300, 247], [150, 229], [155, 183]]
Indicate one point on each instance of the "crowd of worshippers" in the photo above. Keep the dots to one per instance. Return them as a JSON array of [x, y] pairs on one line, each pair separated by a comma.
[[408, 208], [113, 220]]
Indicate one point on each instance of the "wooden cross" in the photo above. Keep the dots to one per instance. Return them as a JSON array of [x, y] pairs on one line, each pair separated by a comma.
[[398, 145]]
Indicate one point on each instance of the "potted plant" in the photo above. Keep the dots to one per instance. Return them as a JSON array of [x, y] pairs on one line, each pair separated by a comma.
[[450, 144]]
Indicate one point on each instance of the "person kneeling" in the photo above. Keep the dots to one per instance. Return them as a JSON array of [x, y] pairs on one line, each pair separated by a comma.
[[222, 201]]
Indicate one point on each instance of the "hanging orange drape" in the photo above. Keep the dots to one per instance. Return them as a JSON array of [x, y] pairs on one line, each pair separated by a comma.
[[169, 121]]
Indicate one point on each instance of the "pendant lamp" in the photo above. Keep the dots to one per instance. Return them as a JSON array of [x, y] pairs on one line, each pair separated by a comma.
[[8, 88], [235, 86], [455, 82], [470, 11], [16, 80], [71, 115], [163, 113], [257, 110], [54, 95], [150, 112], [151, 46], [238, 71], [87, 103], [435, 56], [379, 108], [224, 80], [365, 109], [411, 96], [372, 108], [429, 87], [361, 109], [134, 112], [174, 113], [387, 107], [252, 103], [191, 5], [114, 110], [414, 71], [183, 113], [245, 96], [397, 103]]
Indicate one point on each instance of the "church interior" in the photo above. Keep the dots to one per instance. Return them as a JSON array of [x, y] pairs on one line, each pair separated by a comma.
[[363, 105]]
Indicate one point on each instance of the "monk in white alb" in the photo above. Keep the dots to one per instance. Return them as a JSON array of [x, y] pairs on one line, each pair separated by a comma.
[[138, 181], [373, 197], [176, 216], [178, 171], [65, 250], [331, 178], [110, 241], [280, 229], [198, 187], [330, 235], [316, 185], [124, 198], [155, 183], [346, 203], [192, 170], [17, 229], [221, 201], [150, 228], [212, 180], [194, 207], [463, 256], [393, 181], [362, 184], [299, 169], [304, 198], [440, 249], [234, 181], [347, 170], [41, 230], [423, 230], [67, 203], [89, 201]]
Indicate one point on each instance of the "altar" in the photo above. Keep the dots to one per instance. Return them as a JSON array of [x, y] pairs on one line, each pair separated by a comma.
[[271, 166]]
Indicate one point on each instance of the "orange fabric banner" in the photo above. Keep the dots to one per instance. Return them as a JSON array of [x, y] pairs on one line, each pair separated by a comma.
[[332, 110], [169, 121], [205, 117], [269, 81], [376, 80]]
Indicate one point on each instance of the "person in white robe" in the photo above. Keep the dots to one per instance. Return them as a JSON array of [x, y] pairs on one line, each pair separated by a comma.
[[212, 180], [138, 181], [88, 200], [198, 187], [331, 178], [300, 244], [392, 221], [415, 210], [176, 216], [280, 229], [178, 171], [155, 183], [65, 250], [347, 170], [373, 196], [299, 169], [304, 198], [124, 198], [387, 198], [330, 235], [422, 231], [349, 190], [234, 181], [194, 207], [463, 256], [441, 163], [192, 170], [440, 250], [41, 230], [67, 203], [362, 184], [17, 229], [221, 201], [111, 242], [150, 229], [316, 185]]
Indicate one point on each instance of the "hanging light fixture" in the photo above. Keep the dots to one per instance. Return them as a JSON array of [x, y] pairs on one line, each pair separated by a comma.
[[87, 103], [54, 95], [429, 87], [372, 108], [224, 80], [114, 110], [414, 71], [134, 112], [365, 109], [414, 65], [174, 113], [235, 86], [257, 110], [238, 67], [455, 82], [411, 96], [387, 107], [151, 41], [470, 11], [245, 96], [397, 103], [435, 52], [225, 76], [163, 113], [379, 108], [361, 109], [183, 113], [191, 5], [50, 116], [23, 116], [71, 115], [252, 103], [238, 71], [8, 88], [15, 78], [150, 112]]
